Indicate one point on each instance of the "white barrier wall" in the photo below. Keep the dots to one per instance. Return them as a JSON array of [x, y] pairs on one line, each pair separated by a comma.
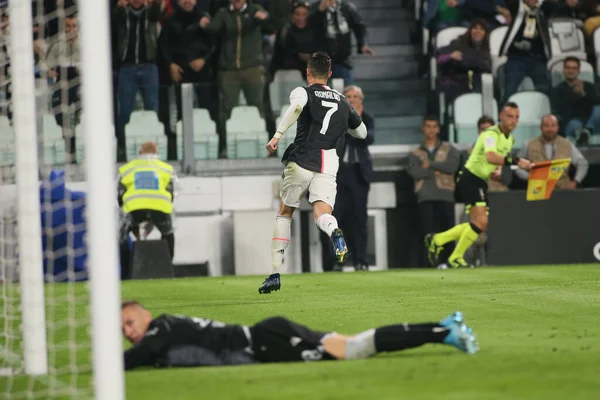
[[228, 221]]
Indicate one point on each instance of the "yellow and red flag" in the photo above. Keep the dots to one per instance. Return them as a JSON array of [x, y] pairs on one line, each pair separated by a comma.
[[543, 177]]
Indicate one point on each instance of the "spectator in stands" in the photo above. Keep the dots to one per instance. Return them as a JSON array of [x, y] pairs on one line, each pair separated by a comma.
[[463, 61], [280, 11], [333, 21], [295, 42], [527, 46], [62, 65], [353, 183], [576, 103], [53, 11], [550, 146], [433, 166], [5, 94], [441, 14], [593, 17], [39, 49], [578, 10], [189, 50], [136, 41], [240, 60], [490, 11]]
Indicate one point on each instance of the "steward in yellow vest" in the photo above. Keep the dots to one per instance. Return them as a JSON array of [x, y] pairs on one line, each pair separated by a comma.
[[146, 194]]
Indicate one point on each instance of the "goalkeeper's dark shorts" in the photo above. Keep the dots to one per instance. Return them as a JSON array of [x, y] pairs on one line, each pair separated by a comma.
[[278, 339], [471, 190]]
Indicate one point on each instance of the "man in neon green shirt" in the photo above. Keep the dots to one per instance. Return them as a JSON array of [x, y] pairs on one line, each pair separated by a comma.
[[491, 151]]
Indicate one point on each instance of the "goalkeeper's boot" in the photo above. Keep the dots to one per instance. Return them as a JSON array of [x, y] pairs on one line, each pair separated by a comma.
[[459, 335], [339, 245], [456, 318], [459, 263], [433, 250], [271, 284]]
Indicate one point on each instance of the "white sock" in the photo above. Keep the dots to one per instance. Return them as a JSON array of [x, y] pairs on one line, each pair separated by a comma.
[[327, 223], [280, 241], [361, 346]]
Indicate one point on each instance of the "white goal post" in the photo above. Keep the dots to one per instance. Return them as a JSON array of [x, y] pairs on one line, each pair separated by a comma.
[[102, 193], [52, 331], [31, 278]]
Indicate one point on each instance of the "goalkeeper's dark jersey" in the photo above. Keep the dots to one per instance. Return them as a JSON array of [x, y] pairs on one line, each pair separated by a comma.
[[173, 340]]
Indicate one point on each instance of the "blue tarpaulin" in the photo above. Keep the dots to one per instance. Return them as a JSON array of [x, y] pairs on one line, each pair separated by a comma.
[[63, 230]]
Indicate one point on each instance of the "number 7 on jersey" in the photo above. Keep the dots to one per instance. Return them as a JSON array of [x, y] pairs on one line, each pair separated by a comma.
[[333, 107]]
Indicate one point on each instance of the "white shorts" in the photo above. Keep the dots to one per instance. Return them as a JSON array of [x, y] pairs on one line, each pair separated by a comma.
[[296, 180]]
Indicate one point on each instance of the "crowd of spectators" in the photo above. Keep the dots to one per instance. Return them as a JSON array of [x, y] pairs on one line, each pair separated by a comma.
[[527, 48], [223, 47]]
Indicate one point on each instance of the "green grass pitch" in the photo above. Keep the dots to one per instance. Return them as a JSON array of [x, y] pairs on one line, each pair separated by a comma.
[[538, 329]]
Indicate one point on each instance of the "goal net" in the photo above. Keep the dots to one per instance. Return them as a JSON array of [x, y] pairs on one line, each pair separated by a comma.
[[59, 315]]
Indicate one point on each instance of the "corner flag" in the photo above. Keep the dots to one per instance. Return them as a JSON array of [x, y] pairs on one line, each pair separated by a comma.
[[543, 177]]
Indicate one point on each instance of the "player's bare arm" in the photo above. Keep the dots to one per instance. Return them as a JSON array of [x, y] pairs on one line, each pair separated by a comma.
[[298, 99]]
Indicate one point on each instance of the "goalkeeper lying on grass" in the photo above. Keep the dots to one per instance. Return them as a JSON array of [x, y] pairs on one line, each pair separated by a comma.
[[178, 341]]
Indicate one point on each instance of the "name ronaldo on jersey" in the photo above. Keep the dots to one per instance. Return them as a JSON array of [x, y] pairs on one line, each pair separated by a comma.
[[327, 94]]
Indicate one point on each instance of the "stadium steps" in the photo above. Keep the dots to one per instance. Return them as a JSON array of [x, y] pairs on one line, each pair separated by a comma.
[[394, 92]]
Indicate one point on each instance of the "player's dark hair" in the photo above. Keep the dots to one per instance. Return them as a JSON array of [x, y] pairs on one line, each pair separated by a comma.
[[319, 65], [431, 118], [511, 104], [131, 303], [572, 59], [485, 119]]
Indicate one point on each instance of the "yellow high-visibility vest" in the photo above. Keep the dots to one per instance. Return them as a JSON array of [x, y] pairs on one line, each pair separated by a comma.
[[146, 182]]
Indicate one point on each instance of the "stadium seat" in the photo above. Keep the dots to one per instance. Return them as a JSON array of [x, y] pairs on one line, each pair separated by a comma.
[[496, 39], [7, 141], [287, 138], [468, 108], [5, 128], [246, 133], [53, 141], [586, 72], [206, 140], [144, 126], [245, 119], [80, 143], [446, 36], [283, 83], [566, 39], [533, 106], [595, 140], [442, 39]]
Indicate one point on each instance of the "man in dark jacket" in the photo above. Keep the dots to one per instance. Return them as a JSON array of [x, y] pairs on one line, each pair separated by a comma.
[[488, 10], [353, 183], [527, 45], [333, 22], [576, 103], [295, 41], [136, 49], [239, 29], [188, 51]]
